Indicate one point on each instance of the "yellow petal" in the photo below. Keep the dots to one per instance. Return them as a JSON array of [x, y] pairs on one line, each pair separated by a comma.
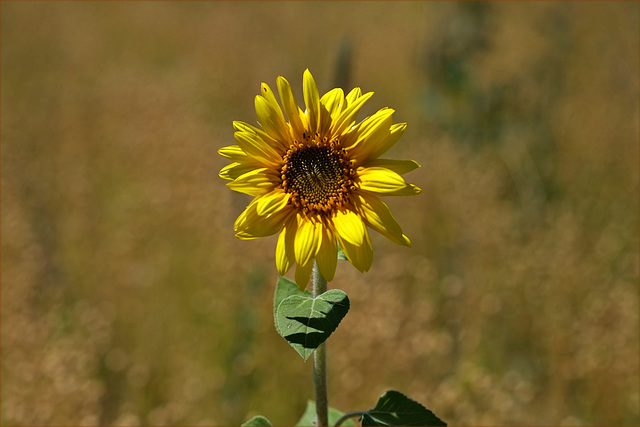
[[349, 226], [333, 102], [290, 106], [385, 182], [354, 94], [395, 133], [267, 93], [374, 120], [324, 122], [234, 170], [257, 148], [284, 248], [327, 257], [347, 118], [311, 100], [398, 166], [378, 216], [246, 127], [233, 153], [272, 122], [250, 225], [303, 274], [248, 216], [256, 182], [307, 241], [360, 256], [370, 134], [272, 202]]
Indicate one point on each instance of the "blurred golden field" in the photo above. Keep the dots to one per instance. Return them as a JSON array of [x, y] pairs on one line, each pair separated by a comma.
[[127, 300]]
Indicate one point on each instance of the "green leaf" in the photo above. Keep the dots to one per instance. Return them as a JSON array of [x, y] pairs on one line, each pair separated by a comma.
[[306, 322], [257, 421], [309, 416], [285, 288], [396, 409], [341, 255]]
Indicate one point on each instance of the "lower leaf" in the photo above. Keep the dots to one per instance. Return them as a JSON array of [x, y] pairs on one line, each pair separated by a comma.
[[396, 409], [309, 417], [306, 322], [257, 421]]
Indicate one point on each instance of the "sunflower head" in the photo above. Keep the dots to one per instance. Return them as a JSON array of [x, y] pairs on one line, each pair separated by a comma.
[[317, 177]]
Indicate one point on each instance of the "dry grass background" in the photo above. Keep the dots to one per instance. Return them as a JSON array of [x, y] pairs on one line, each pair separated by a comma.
[[127, 300]]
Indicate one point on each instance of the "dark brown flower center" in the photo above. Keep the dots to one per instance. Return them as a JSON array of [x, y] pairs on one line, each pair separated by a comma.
[[317, 175]]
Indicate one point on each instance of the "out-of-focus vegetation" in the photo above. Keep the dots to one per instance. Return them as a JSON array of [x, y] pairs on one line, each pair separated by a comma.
[[126, 298]]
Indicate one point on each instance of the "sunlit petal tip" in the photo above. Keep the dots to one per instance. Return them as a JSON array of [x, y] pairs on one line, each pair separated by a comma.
[[234, 170], [309, 82], [333, 102], [399, 127], [407, 241], [398, 166], [268, 94], [260, 226], [379, 218], [327, 257], [360, 256], [257, 148], [311, 100], [238, 125], [385, 182], [233, 153], [283, 262], [285, 257], [247, 215], [271, 203], [225, 151], [264, 89], [254, 183], [349, 226], [395, 133], [307, 73], [290, 106], [307, 240], [244, 236], [272, 121], [354, 94], [328, 272]]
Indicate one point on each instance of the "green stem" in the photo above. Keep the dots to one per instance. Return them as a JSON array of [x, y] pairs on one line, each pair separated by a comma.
[[345, 417], [320, 359]]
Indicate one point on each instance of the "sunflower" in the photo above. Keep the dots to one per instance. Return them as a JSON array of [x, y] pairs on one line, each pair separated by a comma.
[[317, 178]]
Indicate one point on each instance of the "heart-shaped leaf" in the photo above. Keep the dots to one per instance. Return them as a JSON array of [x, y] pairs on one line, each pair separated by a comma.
[[285, 288], [306, 322], [396, 409]]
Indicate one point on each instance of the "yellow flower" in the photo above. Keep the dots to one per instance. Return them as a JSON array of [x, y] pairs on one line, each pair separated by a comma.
[[317, 177]]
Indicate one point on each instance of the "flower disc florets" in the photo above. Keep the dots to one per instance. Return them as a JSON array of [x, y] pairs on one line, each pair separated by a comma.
[[316, 175]]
